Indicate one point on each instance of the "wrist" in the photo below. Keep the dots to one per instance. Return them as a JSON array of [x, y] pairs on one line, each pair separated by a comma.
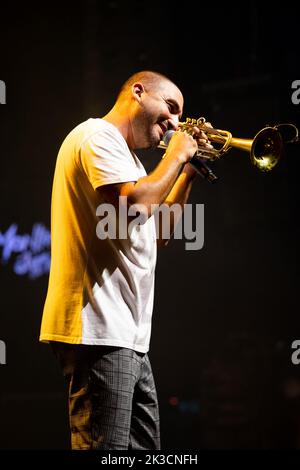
[[180, 157], [190, 171]]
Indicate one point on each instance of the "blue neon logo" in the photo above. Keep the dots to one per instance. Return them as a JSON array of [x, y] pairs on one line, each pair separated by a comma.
[[30, 253]]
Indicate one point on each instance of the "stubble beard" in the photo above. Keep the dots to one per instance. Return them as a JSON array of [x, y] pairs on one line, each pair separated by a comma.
[[148, 131]]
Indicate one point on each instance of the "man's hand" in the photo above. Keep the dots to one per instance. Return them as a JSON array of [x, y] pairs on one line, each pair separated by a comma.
[[183, 145], [201, 138], [202, 141], [186, 145]]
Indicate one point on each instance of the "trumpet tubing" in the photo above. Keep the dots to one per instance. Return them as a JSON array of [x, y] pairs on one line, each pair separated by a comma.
[[265, 148]]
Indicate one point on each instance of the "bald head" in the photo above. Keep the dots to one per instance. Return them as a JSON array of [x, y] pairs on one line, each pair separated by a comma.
[[149, 79], [147, 105]]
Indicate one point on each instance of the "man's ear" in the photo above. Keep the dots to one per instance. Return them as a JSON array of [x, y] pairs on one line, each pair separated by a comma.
[[137, 90]]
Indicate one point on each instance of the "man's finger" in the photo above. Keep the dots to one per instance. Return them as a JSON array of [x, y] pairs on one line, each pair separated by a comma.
[[204, 143]]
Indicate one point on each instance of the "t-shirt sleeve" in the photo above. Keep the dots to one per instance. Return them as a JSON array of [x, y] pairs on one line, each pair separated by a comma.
[[106, 159]]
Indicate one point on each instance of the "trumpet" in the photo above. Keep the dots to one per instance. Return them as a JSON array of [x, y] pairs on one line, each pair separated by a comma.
[[265, 148]]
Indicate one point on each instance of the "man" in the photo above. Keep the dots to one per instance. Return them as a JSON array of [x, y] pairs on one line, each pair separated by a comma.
[[98, 309]]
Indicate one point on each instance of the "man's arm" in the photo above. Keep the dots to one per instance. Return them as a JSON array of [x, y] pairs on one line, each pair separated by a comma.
[[152, 190], [178, 195]]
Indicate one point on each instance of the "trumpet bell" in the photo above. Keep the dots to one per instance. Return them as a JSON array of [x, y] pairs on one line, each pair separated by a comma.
[[266, 148]]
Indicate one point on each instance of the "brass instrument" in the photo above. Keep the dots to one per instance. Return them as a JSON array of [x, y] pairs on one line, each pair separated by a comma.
[[265, 148]]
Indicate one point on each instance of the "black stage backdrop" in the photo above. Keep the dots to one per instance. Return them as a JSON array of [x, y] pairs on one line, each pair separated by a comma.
[[225, 316]]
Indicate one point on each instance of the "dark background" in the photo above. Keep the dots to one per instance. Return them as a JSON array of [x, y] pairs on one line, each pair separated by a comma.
[[225, 316]]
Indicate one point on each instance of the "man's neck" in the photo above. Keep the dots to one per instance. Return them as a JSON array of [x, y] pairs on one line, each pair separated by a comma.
[[122, 122]]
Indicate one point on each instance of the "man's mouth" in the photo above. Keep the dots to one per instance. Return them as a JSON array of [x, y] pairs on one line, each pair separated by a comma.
[[163, 127]]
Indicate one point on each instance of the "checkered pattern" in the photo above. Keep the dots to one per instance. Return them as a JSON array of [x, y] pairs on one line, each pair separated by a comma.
[[112, 398]]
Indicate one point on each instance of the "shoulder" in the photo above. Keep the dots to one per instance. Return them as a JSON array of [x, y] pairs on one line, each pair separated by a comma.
[[97, 129]]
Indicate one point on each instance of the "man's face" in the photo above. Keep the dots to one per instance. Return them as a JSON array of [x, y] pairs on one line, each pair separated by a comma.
[[160, 110]]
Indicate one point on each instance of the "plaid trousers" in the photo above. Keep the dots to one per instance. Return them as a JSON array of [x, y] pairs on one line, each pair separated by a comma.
[[112, 397]]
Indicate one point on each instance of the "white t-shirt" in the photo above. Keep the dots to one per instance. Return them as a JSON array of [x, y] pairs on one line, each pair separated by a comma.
[[100, 292]]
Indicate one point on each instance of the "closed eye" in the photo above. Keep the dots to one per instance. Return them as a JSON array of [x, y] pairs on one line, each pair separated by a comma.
[[174, 107]]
